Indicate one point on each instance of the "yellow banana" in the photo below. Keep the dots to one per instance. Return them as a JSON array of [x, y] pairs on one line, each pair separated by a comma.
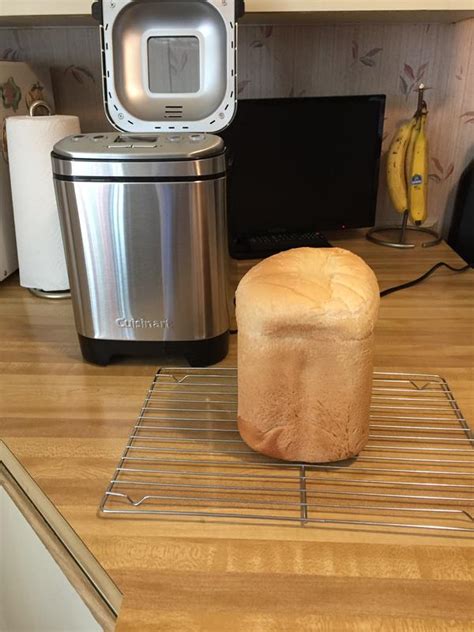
[[396, 179], [418, 181]]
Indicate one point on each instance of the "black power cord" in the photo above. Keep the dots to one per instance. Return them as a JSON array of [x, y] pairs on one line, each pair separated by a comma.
[[424, 276], [404, 286]]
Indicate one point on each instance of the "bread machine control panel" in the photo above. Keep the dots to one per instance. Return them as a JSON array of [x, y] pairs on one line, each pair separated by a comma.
[[173, 146]]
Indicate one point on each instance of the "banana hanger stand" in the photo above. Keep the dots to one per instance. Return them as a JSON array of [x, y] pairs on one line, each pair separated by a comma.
[[401, 232]]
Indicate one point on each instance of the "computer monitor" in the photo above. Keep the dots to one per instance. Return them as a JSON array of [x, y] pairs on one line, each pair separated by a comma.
[[303, 164]]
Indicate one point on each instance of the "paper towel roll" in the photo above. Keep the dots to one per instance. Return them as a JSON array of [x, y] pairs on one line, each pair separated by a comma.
[[38, 235]]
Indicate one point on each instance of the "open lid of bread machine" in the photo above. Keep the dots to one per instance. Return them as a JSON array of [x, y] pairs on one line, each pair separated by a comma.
[[169, 64]]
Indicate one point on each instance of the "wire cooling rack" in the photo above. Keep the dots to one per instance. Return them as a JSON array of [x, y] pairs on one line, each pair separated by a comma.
[[185, 458]]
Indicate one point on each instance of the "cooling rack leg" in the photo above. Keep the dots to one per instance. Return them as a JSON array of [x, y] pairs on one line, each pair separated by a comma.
[[455, 407], [303, 500]]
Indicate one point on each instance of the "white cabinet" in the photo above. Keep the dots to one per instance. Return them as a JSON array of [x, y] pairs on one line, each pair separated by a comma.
[[258, 10], [44, 7], [49, 580], [35, 594], [359, 5]]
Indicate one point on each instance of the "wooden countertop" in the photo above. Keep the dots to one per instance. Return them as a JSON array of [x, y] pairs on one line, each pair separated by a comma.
[[67, 421]]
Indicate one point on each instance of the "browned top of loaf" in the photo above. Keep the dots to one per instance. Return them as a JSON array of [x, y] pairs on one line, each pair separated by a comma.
[[304, 289]]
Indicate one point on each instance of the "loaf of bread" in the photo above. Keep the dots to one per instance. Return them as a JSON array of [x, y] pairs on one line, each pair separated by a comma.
[[306, 322]]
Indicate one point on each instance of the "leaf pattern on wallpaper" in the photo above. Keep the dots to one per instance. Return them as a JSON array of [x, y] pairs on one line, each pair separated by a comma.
[[408, 70], [468, 116], [460, 74], [242, 85], [441, 173], [79, 73], [368, 58], [299, 94], [266, 30], [10, 54], [410, 78], [438, 165], [403, 85], [421, 71], [355, 50]]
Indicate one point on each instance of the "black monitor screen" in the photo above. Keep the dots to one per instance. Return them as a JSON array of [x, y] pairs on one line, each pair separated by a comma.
[[303, 164]]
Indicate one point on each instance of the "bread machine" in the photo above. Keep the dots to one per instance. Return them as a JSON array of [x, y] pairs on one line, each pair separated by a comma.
[[143, 210]]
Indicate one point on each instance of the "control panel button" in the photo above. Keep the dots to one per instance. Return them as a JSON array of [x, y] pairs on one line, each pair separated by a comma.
[[196, 137], [175, 138], [98, 137], [78, 136]]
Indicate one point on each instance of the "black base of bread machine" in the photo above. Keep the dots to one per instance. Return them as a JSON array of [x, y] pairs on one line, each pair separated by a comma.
[[196, 352]]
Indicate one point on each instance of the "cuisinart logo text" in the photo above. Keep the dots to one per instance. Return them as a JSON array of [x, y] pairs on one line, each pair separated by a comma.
[[141, 323]]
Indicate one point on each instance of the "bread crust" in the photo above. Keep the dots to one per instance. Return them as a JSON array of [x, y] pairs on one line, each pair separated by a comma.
[[305, 354]]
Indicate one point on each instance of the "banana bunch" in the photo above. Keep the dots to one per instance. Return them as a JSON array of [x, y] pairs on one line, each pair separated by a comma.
[[407, 169]]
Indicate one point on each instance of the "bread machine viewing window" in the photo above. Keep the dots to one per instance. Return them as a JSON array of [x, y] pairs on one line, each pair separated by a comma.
[[173, 64]]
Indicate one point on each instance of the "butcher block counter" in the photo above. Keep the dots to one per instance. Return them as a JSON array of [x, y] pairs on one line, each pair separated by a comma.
[[66, 424]]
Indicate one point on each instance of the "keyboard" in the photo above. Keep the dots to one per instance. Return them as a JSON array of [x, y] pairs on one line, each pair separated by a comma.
[[258, 246]]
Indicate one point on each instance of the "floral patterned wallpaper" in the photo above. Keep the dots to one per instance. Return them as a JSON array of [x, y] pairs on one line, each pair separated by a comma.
[[380, 58], [313, 60]]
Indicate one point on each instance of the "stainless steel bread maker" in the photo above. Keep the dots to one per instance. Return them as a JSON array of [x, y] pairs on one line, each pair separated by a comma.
[[143, 210]]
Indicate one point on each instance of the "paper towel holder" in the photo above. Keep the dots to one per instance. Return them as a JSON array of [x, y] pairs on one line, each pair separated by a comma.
[[33, 106], [56, 294], [40, 104]]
